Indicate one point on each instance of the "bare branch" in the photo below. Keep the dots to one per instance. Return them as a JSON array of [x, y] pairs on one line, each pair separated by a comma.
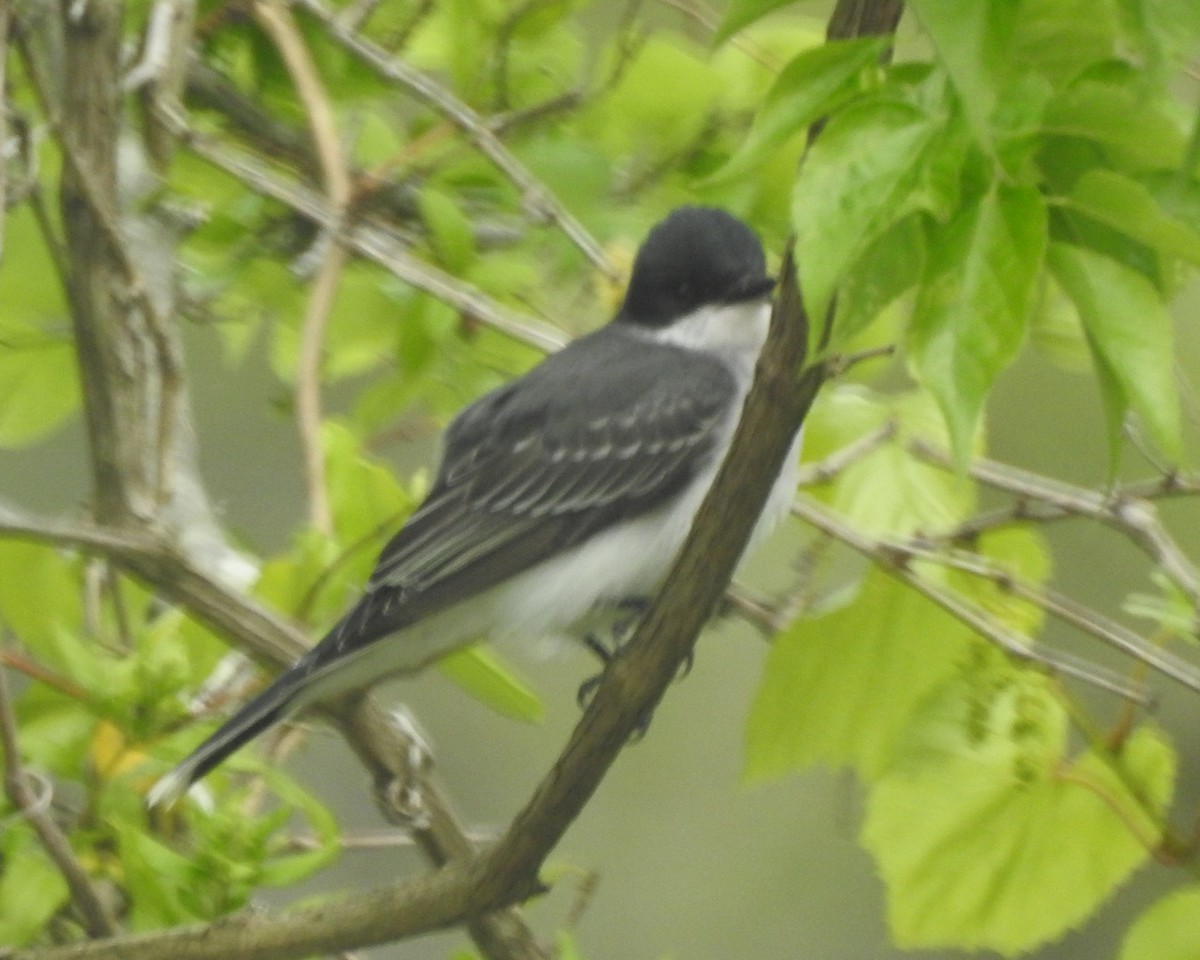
[[892, 557], [827, 470], [1042, 499], [160, 76]]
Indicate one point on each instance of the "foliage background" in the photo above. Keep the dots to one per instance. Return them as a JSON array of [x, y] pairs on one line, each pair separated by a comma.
[[691, 863]]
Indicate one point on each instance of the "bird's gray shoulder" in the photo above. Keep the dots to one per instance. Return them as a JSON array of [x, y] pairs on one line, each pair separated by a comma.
[[615, 380]]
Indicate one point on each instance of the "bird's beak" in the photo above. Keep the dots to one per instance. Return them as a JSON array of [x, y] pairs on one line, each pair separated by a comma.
[[753, 288]]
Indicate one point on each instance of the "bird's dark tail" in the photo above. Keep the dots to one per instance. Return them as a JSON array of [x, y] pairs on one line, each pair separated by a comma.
[[261, 712]]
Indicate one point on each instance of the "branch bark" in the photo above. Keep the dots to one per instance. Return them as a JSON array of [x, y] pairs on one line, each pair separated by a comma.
[[121, 421]]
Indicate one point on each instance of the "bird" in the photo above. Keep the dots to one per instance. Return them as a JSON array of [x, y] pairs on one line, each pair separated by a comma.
[[562, 497]]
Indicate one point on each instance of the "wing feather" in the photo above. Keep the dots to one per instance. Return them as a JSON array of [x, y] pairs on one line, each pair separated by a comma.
[[527, 473]]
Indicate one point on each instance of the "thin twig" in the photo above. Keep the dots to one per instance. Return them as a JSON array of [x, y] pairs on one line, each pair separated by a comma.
[[278, 23], [1043, 499], [22, 796], [826, 471], [890, 559], [709, 20], [374, 241], [1058, 605], [502, 123], [842, 363], [16, 660], [537, 198], [308, 383]]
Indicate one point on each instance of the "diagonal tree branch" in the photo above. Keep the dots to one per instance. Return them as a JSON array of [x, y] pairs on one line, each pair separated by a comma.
[[1043, 499], [892, 558]]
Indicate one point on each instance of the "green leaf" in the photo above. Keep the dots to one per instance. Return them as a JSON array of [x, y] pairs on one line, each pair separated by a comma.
[[811, 85], [39, 593], [362, 332], [742, 13], [1127, 205], [1129, 332], [56, 730], [891, 265], [972, 41], [39, 388], [975, 301], [661, 105], [1020, 551], [1059, 40], [989, 837], [1117, 116], [364, 495], [1055, 329], [154, 877], [838, 688], [482, 673], [378, 141], [450, 231], [867, 170], [1170, 609], [1169, 930], [286, 869], [296, 581], [32, 889], [888, 492]]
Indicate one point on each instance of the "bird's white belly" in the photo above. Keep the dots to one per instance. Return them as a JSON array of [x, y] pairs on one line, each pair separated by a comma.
[[559, 598]]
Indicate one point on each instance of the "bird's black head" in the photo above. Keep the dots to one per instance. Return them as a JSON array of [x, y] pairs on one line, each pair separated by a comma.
[[697, 256]]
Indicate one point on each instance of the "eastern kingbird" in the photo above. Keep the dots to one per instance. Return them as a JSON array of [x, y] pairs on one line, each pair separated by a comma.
[[563, 497]]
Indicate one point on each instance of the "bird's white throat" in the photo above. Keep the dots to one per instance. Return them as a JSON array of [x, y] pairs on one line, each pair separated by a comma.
[[734, 332]]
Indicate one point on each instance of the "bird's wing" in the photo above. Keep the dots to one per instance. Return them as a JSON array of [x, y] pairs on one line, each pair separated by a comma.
[[531, 470]]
